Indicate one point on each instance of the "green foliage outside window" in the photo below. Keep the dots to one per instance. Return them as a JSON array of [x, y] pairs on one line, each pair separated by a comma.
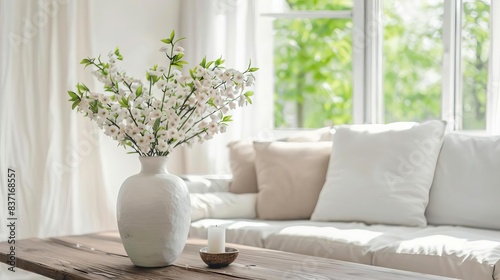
[[475, 48], [313, 63], [412, 53]]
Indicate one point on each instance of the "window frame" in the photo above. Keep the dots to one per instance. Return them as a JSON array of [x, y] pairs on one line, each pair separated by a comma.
[[368, 98]]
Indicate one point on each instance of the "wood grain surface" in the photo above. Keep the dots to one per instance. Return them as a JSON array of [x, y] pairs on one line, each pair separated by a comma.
[[102, 256]]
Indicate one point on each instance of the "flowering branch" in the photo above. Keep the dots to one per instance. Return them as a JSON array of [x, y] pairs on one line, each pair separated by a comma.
[[184, 109]]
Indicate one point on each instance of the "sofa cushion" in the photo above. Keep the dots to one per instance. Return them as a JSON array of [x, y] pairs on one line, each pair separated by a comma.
[[207, 183], [242, 163], [463, 253], [249, 232], [222, 205], [381, 173], [353, 242], [290, 177], [466, 188], [242, 158]]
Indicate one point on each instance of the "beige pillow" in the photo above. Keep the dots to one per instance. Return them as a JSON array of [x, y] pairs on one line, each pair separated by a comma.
[[242, 162], [290, 176], [242, 158]]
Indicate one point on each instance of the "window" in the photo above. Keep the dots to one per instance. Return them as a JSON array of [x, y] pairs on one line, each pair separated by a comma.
[[412, 51], [313, 65], [475, 43], [416, 60]]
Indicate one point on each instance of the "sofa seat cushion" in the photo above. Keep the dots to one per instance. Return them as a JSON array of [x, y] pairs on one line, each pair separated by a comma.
[[464, 253], [250, 232], [353, 242]]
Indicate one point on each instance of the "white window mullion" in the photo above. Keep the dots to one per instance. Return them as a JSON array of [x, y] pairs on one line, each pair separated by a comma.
[[458, 65], [493, 93], [311, 14], [358, 63], [374, 108], [449, 63]]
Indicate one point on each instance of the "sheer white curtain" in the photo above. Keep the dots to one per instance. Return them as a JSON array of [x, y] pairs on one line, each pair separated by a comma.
[[55, 153], [493, 107], [236, 30]]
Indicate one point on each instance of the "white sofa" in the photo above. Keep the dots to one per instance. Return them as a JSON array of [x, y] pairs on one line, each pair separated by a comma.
[[461, 239]]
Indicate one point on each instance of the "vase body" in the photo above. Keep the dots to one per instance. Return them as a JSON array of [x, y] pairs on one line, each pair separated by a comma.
[[154, 214]]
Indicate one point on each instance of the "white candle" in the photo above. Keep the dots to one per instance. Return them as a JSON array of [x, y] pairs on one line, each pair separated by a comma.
[[216, 240]]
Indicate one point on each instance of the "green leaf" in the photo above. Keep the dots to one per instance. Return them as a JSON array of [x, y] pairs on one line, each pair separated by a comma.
[[178, 56], [85, 61], [94, 106], [172, 35], [191, 73], [73, 96], [248, 99], [124, 102], [249, 93], [82, 87], [179, 64], [180, 39], [167, 41], [75, 104], [227, 119], [109, 89], [203, 62], [209, 63], [253, 69], [218, 61], [118, 54], [138, 92], [157, 124]]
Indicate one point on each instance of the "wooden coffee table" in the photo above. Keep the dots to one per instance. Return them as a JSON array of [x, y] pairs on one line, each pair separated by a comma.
[[101, 256]]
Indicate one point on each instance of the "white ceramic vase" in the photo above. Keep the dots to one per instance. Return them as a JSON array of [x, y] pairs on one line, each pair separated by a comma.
[[154, 214]]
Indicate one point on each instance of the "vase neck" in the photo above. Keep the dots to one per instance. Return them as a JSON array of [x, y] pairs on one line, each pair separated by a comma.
[[154, 165]]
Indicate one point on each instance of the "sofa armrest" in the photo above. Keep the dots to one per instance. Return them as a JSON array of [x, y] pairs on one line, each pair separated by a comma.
[[207, 183], [222, 205]]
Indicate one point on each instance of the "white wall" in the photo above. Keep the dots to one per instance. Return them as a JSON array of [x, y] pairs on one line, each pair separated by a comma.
[[136, 27]]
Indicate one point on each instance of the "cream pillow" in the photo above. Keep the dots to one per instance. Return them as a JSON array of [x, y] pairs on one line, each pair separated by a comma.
[[242, 162], [381, 174], [290, 176], [242, 159]]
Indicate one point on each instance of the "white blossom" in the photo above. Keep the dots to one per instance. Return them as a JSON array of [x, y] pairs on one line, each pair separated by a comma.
[[155, 114], [103, 113], [213, 127], [178, 50], [176, 112], [238, 77], [161, 84], [250, 81], [161, 70]]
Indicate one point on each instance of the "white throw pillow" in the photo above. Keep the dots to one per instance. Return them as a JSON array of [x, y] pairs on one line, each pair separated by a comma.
[[466, 188], [222, 205], [380, 174]]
